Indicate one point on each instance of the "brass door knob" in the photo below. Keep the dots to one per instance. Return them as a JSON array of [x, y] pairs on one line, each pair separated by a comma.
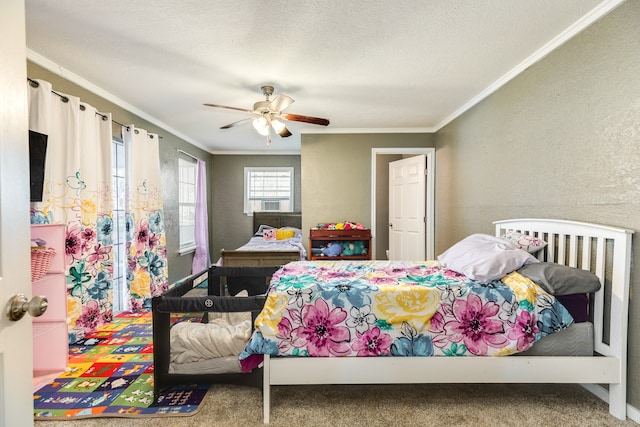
[[19, 304]]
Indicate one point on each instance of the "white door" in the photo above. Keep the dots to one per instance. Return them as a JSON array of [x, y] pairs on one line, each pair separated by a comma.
[[407, 207], [16, 377]]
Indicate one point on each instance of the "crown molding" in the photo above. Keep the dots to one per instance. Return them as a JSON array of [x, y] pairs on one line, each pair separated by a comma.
[[584, 22]]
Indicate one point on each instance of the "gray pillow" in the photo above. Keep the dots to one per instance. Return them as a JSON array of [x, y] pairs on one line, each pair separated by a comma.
[[559, 279]]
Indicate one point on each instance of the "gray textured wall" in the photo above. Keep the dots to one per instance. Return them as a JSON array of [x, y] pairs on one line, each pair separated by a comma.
[[179, 266], [229, 226], [562, 140]]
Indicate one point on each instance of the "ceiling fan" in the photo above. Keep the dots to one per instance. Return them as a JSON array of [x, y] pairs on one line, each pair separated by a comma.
[[270, 115]]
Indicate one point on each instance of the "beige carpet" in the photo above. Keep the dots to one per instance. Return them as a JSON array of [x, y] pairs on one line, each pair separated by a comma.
[[389, 405]]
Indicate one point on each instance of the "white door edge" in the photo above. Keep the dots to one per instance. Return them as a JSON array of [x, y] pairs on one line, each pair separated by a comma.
[[430, 153]]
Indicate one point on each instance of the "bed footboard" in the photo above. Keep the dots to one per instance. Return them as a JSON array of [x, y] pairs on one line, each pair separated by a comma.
[[438, 370], [238, 258]]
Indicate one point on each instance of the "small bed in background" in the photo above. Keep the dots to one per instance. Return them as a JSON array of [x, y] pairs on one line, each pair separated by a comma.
[[285, 246]]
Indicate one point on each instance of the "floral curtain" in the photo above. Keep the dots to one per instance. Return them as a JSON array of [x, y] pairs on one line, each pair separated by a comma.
[[147, 273], [78, 193]]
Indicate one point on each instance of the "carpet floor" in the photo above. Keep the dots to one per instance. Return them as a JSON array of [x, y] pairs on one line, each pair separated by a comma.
[[391, 405]]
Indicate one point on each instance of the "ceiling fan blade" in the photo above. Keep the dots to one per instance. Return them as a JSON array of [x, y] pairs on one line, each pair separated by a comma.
[[284, 132], [229, 108], [230, 125], [280, 102], [306, 119]]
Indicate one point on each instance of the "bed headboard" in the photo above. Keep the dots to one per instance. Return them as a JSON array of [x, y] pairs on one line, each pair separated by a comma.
[[277, 219], [601, 249]]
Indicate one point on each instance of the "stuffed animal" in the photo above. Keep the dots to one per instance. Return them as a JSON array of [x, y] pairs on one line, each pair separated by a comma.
[[348, 249], [332, 249], [359, 248], [269, 234]]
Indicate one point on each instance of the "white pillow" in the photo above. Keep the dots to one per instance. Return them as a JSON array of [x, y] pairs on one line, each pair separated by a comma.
[[530, 244], [484, 258]]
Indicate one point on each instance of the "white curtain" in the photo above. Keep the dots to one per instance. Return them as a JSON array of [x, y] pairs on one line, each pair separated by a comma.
[[77, 193], [147, 272]]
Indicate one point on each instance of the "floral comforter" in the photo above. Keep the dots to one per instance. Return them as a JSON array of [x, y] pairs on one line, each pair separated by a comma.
[[396, 308], [257, 243]]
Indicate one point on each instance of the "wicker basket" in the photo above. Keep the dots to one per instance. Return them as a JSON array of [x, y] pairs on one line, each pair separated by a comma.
[[40, 262]]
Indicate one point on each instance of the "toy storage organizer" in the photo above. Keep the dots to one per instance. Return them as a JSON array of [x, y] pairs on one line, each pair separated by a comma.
[[320, 238], [50, 337]]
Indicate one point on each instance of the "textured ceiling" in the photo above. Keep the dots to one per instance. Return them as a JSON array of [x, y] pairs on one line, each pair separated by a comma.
[[402, 65]]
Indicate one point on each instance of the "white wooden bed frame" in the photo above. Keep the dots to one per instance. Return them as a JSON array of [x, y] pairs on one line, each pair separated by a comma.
[[604, 250]]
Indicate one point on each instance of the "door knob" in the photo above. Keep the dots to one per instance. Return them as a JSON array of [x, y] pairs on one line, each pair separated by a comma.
[[19, 304]]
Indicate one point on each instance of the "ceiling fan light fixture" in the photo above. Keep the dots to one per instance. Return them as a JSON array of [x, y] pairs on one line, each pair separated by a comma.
[[278, 126], [261, 126], [270, 115]]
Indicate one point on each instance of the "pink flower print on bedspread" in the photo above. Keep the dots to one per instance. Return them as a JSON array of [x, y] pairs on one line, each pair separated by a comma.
[[476, 325], [524, 331], [372, 343], [321, 333]]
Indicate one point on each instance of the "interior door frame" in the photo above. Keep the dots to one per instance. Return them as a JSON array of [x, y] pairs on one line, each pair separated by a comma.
[[430, 153]]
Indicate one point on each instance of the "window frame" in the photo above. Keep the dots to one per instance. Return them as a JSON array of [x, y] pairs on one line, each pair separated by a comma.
[[248, 170], [119, 276]]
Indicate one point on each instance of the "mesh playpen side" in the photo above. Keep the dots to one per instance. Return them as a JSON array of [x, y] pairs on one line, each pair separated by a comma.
[[221, 284]]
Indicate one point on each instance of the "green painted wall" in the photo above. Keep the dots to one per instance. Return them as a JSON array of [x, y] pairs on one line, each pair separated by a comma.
[[336, 174]]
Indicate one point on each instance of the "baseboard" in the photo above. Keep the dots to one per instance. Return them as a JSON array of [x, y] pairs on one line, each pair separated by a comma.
[[632, 412]]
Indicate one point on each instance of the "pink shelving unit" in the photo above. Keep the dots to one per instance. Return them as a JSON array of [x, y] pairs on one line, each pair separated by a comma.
[[50, 336]]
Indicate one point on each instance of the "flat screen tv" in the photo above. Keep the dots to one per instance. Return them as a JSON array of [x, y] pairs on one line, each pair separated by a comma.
[[37, 157]]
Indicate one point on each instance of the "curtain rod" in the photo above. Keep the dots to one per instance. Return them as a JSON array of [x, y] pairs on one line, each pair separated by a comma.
[[34, 83], [187, 154]]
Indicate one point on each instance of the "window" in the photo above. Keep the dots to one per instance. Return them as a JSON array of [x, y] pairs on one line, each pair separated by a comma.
[[268, 189], [120, 292], [187, 171]]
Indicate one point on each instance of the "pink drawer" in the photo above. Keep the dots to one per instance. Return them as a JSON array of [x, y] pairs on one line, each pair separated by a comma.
[[50, 348], [53, 287]]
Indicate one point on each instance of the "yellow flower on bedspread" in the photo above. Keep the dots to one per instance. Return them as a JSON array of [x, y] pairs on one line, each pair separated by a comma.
[[523, 287], [271, 314], [413, 304], [507, 351]]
